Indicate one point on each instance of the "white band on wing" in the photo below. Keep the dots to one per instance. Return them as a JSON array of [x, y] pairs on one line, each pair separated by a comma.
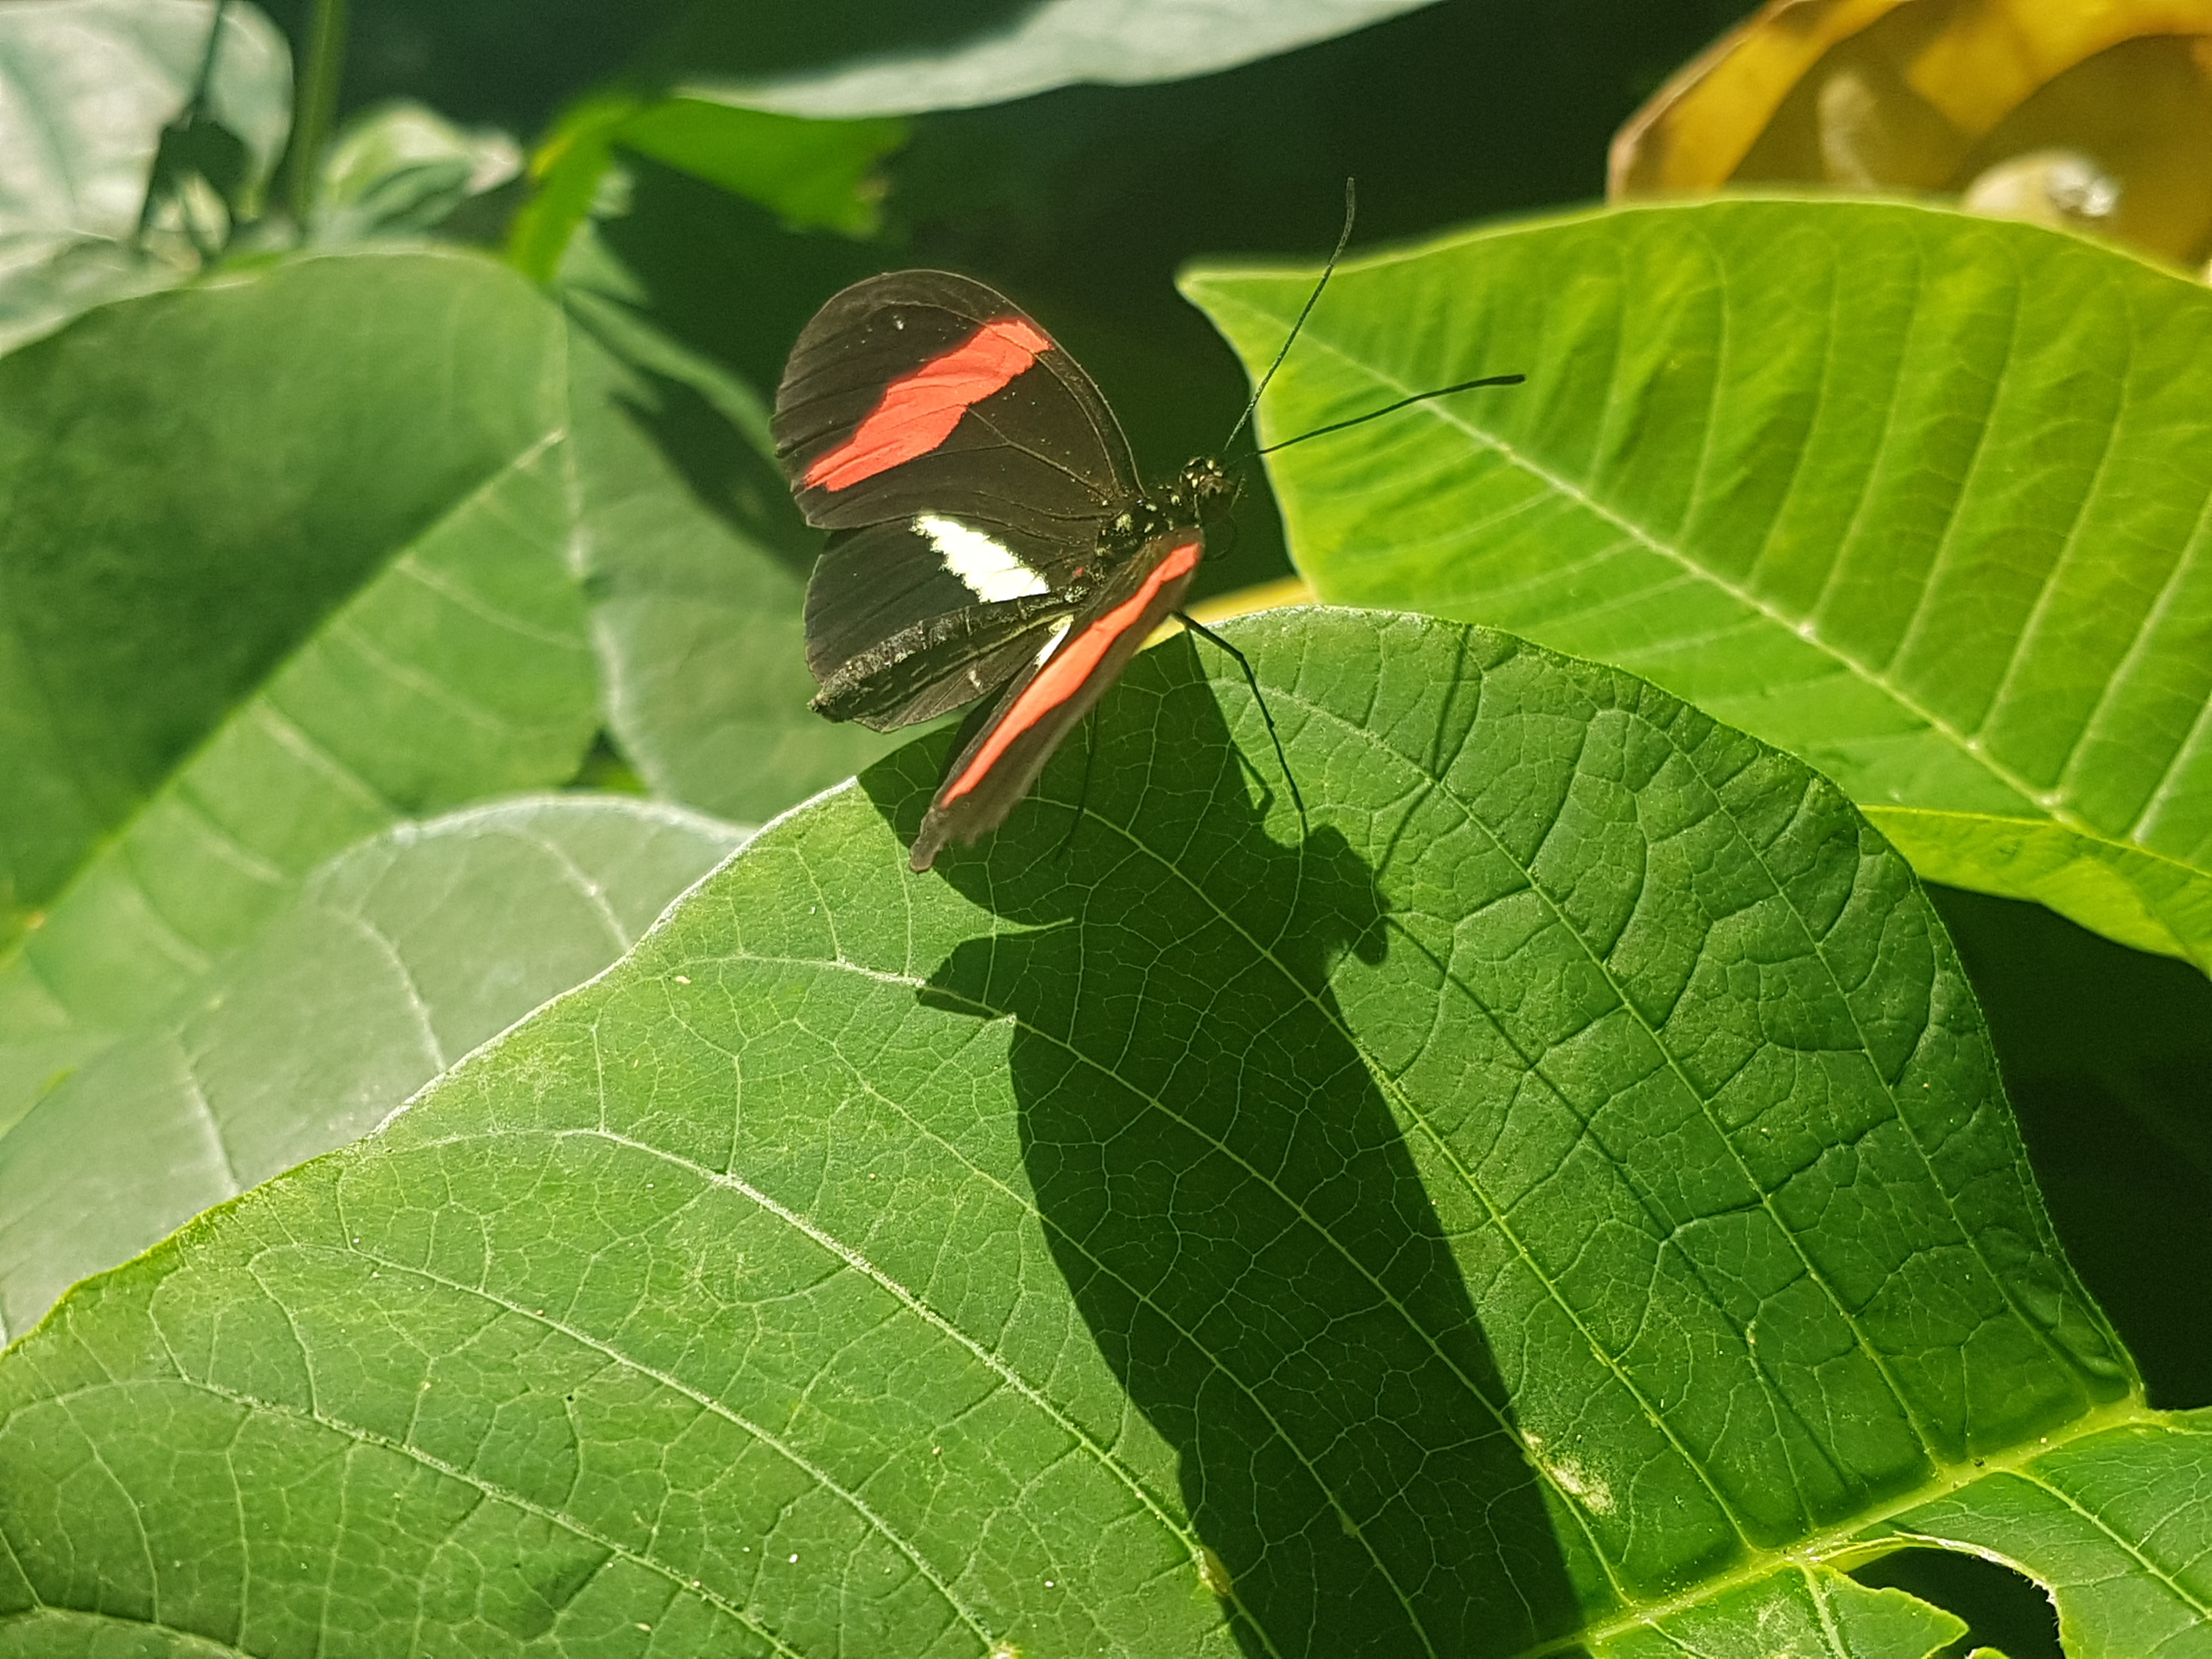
[[988, 566], [1059, 633]]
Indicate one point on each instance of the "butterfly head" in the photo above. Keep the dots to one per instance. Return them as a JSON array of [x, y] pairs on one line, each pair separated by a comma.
[[1203, 487]]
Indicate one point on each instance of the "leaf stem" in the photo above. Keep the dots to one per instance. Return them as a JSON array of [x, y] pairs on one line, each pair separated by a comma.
[[316, 104]]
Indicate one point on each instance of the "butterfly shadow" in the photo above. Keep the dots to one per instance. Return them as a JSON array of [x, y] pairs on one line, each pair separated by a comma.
[[1229, 1196]]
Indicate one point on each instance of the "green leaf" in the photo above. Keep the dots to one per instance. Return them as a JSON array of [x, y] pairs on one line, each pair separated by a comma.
[[90, 84], [811, 174], [399, 956], [2137, 897], [2115, 1524], [1568, 1188], [1804, 1612], [1916, 495], [877, 57], [286, 559]]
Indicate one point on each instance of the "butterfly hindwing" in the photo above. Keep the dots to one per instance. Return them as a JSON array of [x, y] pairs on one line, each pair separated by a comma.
[[873, 584], [941, 663]]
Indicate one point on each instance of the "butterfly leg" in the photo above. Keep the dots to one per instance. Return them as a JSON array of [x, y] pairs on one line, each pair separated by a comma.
[[1082, 795], [1258, 696]]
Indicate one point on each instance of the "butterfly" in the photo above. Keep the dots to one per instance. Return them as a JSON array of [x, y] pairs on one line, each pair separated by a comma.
[[989, 534]]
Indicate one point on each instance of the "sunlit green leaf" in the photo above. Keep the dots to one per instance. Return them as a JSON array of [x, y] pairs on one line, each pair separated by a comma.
[[2117, 1524], [1561, 1191], [1804, 1613], [1918, 497]]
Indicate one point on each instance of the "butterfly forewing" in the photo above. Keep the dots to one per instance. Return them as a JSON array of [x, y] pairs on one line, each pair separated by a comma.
[[922, 391]]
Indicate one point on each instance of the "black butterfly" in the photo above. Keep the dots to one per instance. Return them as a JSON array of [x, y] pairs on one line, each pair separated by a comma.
[[990, 534]]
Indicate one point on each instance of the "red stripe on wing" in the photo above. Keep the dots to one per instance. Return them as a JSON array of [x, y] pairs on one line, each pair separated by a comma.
[[919, 411], [1067, 669]]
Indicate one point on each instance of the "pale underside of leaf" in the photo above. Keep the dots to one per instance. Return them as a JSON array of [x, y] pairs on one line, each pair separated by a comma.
[[1057, 43], [396, 959]]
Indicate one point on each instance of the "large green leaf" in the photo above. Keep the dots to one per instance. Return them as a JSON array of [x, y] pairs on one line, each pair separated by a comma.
[[86, 89], [400, 956], [1564, 1194], [857, 58], [286, 557], [1919, 496]]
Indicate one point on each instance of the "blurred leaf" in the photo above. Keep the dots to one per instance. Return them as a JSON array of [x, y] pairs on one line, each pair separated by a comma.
[[696, 564], [1917, 496], [285, 559], [512, 64], [849, 59], [397, 957], [809, 173], [48, 276], [93, 82], [2091, 116], [94, 89], [1095, 1254], [403, 167]]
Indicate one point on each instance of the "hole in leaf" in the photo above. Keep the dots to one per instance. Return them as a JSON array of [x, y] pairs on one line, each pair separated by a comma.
[[2003, 1609]]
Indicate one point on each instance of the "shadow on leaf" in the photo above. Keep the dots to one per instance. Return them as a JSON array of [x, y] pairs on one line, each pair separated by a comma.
[[1229, 1196], [725, 473]]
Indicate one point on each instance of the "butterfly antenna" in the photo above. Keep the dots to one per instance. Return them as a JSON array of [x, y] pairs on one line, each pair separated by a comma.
[[1260, 697], [1343, 237], [1392, 408]]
